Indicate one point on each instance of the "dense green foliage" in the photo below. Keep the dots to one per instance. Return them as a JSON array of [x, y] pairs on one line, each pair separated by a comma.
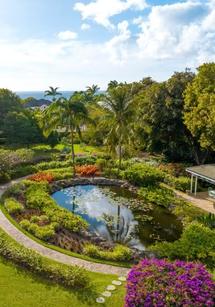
[[119, 253], [196, 243], [13, 206], [200, 106], [70, 276], [143, 175]]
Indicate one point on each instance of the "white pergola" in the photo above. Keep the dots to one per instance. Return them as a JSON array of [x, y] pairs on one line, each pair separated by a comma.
[[204, 172]]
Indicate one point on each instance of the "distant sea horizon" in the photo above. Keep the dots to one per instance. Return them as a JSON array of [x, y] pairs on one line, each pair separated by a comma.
[[40, 94]]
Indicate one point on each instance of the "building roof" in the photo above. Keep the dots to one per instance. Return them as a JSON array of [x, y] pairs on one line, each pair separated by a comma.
[[206, 172]]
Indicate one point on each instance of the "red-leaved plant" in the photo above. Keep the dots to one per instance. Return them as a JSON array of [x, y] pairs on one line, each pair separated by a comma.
[[42, 177], [87, 170]]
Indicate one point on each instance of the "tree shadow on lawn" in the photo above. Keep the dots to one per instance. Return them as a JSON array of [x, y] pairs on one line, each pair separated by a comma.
[[86, 295]]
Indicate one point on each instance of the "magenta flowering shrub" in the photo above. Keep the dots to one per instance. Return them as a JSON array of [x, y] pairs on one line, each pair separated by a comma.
[[161, 283]]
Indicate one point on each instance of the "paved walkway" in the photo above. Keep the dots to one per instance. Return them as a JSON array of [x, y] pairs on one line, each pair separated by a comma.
[[20, 237], [199, 201]]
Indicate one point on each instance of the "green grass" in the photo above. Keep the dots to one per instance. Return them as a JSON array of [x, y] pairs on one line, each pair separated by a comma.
[[81, 149], [19, 288]]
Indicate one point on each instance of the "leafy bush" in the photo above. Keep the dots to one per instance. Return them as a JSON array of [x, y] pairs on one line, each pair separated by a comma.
[[22, 170], [61, 173], [69, 276], [42, 177], [37, 197], [173, 169], [186, 211], [4, 177], [85, 160], [41, 232], [119, 253], [53, 165], [207, 220], [161, 283], [13, 206], [87, 170], [196, 243], [157, 195], [143, 175], [180, 183]]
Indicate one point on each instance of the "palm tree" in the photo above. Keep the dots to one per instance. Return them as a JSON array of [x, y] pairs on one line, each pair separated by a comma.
[[118, 102], [92, 90], [69, 114], [52, 92]]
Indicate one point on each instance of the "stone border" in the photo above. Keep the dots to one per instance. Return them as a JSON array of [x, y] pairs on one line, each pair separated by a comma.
[[100, 181]]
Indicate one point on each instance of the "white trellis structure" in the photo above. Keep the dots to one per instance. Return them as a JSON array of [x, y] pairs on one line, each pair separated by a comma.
[[203, 172]]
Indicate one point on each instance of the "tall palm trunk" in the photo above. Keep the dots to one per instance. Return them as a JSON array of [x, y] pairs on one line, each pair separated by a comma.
[[73, 152]]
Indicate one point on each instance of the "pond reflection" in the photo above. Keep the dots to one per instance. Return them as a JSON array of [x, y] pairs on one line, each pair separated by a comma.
[[106, 210]]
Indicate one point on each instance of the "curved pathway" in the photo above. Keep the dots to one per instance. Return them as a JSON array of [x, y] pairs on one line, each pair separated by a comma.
[[21, 238]]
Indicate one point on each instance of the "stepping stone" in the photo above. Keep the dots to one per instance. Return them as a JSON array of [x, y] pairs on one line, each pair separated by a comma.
[[122, 278], [100, 300], [111, 288], [107, 293], [116, 282]]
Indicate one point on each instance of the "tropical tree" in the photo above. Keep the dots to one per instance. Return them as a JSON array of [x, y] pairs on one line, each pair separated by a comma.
[[53, 92], [199, 114], [118, 103], [92, 90], [67, 114]]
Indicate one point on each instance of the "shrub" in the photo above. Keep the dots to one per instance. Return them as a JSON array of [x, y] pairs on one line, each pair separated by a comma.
[[207, 220], [180, 183], [69, 276], [4, 177], [85, 160], [22, 170], [161, 283], [173, 169], [13, 206], [41, 232], [42, 177], [143, 175], [53, 165], [38, 198], [119, 253], [87, 170], [196, 243], [61, 173], [157, 195]]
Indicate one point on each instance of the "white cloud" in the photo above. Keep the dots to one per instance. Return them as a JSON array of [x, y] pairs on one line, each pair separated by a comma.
[[178, 30], [117, 46], [85, 26], [67, 35], [171, 38], [102, 10]]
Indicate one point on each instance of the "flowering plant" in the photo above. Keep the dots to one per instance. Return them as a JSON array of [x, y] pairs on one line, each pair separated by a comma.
[[42, 176], [161, 283], [87, 170]]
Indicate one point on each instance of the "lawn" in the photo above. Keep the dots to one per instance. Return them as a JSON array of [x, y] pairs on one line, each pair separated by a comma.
[[19, 288]]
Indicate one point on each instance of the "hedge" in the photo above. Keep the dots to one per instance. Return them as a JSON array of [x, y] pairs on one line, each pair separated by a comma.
[[69, 276]]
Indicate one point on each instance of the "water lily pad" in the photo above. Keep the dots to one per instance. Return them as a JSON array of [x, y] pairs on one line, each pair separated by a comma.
[[122, 278], [111, 288], [116, 282], [107, 293], [100, 300]]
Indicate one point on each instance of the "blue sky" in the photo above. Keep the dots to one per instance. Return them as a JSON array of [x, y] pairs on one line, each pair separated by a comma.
[[72, 44]]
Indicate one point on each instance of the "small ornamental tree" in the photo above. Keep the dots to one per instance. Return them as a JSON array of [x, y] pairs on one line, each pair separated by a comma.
[[161, 283]]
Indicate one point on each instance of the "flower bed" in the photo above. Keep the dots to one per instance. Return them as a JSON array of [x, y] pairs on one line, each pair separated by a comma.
[[162, 283]]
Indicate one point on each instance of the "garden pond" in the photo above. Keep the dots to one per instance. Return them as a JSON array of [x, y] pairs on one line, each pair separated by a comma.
[[118, 215]]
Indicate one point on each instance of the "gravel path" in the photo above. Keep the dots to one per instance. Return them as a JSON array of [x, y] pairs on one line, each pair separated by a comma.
[[20, 237]]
